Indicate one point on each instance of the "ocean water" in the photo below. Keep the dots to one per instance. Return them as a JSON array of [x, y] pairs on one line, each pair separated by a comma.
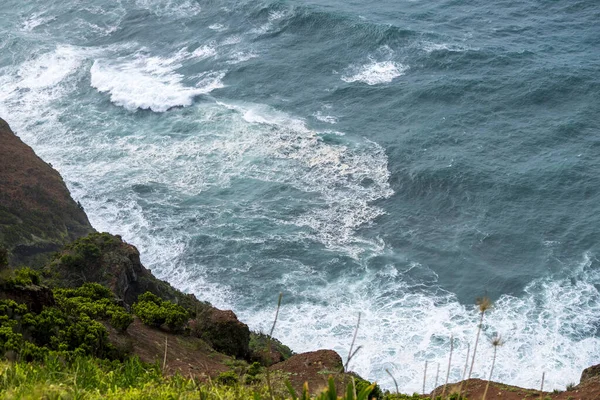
[[393, 158]]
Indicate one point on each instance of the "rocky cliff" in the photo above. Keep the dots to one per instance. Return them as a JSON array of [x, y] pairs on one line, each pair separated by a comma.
[[37, 214]]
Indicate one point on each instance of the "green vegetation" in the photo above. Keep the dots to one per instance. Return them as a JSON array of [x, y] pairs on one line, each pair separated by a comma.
[[65, 325], [156, 312], [259, 345], [91, 378], [29, 336], [20, 278], [228, 378], [80, 253], [95, 301]]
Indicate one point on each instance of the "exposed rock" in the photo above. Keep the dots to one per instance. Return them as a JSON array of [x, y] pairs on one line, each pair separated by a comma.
[[313, 367], [266, 354], [108, 260], [188, 356], [37, 214], [223, 331], [36, 297], [590, 374]]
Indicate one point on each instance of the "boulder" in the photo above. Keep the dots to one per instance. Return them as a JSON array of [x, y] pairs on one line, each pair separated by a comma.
[[267, 354], [313, 367], [223, 331], [590, 374]]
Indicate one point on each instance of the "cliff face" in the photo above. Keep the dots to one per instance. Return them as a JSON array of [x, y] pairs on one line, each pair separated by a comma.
[[37, 214]]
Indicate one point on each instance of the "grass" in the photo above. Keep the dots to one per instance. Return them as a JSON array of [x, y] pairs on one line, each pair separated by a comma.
[[91, 378]]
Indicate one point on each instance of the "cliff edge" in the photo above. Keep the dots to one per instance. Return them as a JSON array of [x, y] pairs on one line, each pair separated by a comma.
[[37, 214]]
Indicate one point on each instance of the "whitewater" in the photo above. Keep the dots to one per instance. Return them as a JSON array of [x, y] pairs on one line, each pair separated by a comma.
[[396, 159]]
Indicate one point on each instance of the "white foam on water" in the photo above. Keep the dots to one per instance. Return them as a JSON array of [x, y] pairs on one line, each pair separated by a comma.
[[50, 69], [29, 90], [550, 328], [325, 118], [204, 51], [171, 8], [337, 173], [241, 56], [374, 72], [35, 20], [231, 40], [148, 82], [274, 16], [217, 27], [454, 47], [380, 67]]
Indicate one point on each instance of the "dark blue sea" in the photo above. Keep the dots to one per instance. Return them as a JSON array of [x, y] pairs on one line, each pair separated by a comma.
[[393, 158]]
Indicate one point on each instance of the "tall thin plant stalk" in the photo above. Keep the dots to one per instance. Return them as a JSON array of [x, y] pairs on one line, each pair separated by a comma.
[[464, 374], [424, 378], [165, 357], [449, 365], [269, 386], [350, 353], [542, 388], [437, 375], [496, 341], [394, 379], [484, 304]]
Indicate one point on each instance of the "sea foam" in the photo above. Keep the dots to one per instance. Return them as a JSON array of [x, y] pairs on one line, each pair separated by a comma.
[[148, 82], [374, 72]]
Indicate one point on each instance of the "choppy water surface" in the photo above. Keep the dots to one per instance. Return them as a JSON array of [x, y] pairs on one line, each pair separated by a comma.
[[397, 158]]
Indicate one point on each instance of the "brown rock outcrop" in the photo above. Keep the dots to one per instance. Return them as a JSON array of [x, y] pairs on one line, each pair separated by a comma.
[[223, 331], [36, 297], [313, 367], [590, 374], [37, 214]]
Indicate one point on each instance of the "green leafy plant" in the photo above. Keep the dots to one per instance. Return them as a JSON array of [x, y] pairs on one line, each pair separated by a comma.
[[156, 312], [228, 378], [21, 277], [95, 301]]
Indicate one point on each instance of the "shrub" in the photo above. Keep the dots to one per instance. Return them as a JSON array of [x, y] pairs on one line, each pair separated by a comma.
[[155, 312], [32, 336], [24, 276], [95, 301], [254, 369], [81, 253], [259, 349], [227, 378], [375, 393]]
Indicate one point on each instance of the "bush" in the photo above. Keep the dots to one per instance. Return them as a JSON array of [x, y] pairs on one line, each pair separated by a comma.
[[80, 253], [375, 393], [24, 276], [227, 378], [95, 301], [32, 336], [259, 349], [156, 312]]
